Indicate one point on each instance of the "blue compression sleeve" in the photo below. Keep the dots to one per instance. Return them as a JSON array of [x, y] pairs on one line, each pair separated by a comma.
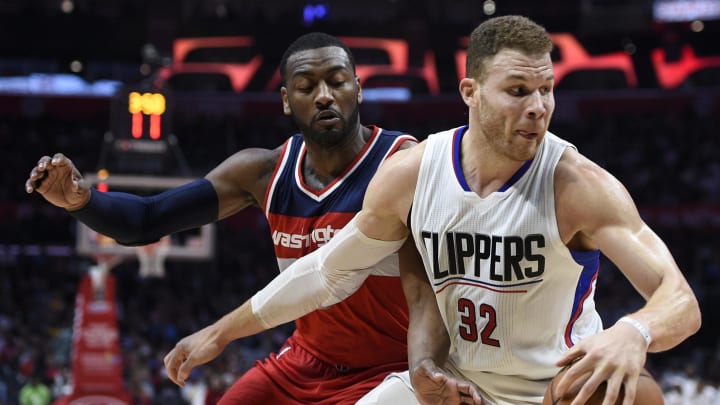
[[133, 220]]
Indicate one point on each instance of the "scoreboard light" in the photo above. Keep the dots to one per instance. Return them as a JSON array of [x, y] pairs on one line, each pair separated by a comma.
[[153, 105]]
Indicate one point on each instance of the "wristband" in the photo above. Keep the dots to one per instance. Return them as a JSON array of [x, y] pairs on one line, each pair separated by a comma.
[[640, 328]]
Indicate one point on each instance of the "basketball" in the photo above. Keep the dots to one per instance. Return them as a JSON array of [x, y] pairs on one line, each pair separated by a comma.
[[648, 392]]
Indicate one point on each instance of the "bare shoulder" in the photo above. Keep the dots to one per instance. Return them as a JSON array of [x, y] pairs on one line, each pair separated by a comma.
[[582, 179], [574, 170], [391, 190], [588, 198], [242, 179], [250, 159], [402, 167]]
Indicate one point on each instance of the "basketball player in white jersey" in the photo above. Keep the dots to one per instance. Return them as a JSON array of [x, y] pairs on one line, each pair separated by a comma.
[[509, 221]]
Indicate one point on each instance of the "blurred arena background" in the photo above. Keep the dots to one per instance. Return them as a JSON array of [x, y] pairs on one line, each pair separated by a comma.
[[638, 92]]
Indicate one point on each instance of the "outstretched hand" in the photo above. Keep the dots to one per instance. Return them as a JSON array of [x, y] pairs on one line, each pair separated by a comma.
[[435, 386], [59, 181], [616, 355], [193, 350]]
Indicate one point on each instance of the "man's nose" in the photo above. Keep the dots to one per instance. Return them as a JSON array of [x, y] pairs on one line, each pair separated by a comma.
[[324, 95], [536, 105]]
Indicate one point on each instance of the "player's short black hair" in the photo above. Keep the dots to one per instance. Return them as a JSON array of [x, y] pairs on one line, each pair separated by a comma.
[[313, 40]]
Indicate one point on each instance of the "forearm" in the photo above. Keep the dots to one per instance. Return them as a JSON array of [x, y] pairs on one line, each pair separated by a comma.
[[237, 324], [324, 277], [428, 340], [671, 315], [135, 220]]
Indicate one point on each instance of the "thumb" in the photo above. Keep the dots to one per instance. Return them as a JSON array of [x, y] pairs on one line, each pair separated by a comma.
[[437, 375]]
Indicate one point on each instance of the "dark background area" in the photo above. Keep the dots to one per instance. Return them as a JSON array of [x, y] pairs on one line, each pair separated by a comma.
[[661, 143]]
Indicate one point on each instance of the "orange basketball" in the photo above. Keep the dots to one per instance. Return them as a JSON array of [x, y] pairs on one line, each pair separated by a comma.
[[648, 392]]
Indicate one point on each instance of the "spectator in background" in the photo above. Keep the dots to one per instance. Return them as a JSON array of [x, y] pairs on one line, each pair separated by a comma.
[[35, 392]]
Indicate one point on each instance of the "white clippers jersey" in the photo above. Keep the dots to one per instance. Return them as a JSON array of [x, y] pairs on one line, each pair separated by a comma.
[[512, 295]]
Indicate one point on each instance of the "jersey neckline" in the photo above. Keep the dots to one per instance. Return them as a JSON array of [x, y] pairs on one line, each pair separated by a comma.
[[457, 166]]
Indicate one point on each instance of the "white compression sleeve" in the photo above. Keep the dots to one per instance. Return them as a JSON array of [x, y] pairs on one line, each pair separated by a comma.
[[322, 278]]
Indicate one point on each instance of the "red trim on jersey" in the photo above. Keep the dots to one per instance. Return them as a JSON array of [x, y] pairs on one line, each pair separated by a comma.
[[399, 142], [481, 286], [278, 166], [351, 166], [578, 311]]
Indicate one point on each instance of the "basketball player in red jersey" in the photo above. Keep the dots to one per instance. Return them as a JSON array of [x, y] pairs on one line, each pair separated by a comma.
[[309, 188]]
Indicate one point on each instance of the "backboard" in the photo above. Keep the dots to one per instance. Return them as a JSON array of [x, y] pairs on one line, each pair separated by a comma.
[[193, 244]]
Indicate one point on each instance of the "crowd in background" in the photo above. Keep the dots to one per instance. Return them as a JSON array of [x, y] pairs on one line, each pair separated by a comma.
[[666, 160]]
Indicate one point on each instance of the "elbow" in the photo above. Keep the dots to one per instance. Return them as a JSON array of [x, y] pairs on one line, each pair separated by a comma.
[[691, 314], [695, 317], [341, 284], [140, 232], [136, 238]]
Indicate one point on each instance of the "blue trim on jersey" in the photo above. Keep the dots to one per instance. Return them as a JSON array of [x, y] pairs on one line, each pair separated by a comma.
[[591, 265], [457, 138], [515, 177], [457, 166]]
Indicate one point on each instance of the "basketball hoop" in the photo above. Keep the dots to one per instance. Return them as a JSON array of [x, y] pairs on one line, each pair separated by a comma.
[[104, 262], [152, 258]]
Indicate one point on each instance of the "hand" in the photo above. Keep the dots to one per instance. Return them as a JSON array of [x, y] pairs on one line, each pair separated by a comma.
[[434, 386], [198, 348], [616, 355], [59, 182]]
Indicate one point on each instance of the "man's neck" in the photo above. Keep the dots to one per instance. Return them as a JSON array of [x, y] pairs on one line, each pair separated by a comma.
[[322, 165]]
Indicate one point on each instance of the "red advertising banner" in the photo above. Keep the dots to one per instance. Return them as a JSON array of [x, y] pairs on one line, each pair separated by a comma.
[[96, 362]]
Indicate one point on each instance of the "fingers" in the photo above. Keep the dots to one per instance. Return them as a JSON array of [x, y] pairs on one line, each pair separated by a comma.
[[41, 171], [589, 388], [173, 361], [37, 174], [186, 367], [468, 394], [612, 389], [630, 387], [59, 159], [576, 368]]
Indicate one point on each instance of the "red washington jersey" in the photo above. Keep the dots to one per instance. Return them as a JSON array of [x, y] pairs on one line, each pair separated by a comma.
[[370, 327]]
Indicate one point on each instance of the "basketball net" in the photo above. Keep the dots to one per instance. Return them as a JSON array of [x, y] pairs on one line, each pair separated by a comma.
[[104, 262], [152, 258]]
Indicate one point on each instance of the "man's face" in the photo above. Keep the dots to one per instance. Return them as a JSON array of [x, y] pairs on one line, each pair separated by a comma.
[[515, 102], [322, 95]]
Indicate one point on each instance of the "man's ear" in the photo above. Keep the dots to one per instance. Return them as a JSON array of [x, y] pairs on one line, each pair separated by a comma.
[[360, 95], [286, 103], [467, 88]]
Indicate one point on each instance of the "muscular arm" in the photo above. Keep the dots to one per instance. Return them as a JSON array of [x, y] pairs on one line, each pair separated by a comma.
[[595, 211], [130, 219]]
